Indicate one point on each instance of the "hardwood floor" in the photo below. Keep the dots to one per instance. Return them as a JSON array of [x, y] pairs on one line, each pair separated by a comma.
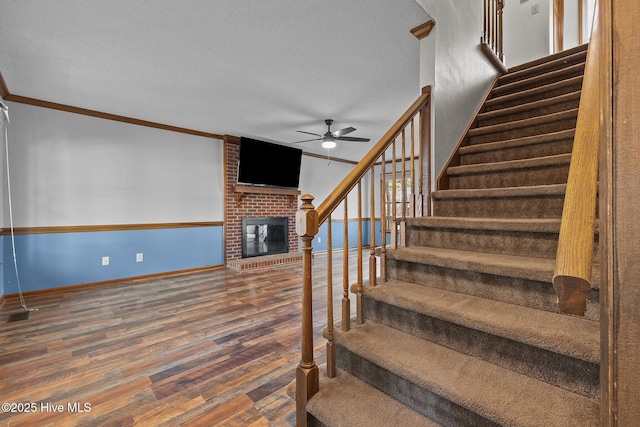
[[205, 349]]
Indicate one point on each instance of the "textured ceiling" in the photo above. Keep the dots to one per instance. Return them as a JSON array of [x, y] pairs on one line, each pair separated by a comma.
[[257, 68]]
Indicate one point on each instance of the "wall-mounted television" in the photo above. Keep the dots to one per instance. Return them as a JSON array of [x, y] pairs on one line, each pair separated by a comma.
[[267, 164]]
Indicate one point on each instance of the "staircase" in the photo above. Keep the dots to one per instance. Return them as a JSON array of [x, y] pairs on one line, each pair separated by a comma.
[[465, 330]]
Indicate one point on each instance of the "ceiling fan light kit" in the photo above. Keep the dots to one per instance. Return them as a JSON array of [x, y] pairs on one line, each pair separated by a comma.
[[329, 143], [329, 139]]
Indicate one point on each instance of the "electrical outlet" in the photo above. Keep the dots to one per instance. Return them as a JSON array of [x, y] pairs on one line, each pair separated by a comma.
[[139, 257], [105, 260], [535, 8]]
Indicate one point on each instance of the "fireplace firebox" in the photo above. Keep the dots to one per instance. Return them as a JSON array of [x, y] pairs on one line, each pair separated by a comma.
[[265, 236]]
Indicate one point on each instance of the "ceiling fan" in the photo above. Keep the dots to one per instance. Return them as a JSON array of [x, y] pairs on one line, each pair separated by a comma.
[[329, 138]]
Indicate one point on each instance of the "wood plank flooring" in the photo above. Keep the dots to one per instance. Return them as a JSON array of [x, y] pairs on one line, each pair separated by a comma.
[[204, 349]]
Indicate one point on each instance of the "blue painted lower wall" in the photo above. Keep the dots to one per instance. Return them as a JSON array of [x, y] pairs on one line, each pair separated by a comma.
[[54, 260]]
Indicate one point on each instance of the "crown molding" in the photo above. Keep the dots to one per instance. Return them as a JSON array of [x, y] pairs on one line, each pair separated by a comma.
[[423, 30], [4, 92], [324, 157], [8, 96], [231, 139]]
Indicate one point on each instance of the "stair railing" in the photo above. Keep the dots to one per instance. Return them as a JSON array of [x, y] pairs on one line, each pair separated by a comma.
[[572, 276], [491, 40], [397, 201]]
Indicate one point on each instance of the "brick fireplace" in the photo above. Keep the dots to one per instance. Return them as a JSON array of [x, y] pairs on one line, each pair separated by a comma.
[[247, 202]]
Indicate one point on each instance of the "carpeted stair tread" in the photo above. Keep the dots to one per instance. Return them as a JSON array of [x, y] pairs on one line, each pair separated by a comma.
[[539, 104], [527, 225], [542, 225], [539, 269], [567, 335], [525, 123], [537, 80], [537, 68], [347, 401], [520, 201], [500, 395], [538, 162], [528, 191], [517, 71], [528, 93], [510, 143]]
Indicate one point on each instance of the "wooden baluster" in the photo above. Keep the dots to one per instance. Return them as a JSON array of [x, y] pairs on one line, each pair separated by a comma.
[[425, 155], [359, 296], [383, 220], [372, 231], [485, 11], [489, 2], [500, 36], [495, 26], [421, 169], [307, 372], [403, 195], [412, 201], [346, 304], [331, 347], [394, 229]]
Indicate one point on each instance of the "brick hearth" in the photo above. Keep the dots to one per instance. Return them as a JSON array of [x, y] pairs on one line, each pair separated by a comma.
[[252, 205], [264, 261]]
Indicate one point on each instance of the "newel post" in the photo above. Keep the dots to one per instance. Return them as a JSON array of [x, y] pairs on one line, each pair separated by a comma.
[[307, 372]]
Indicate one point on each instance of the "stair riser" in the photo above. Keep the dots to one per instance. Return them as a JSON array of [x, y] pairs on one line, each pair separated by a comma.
[[543, 93], [525, 292], [562, 371], [507, 207], [522, 132], [535, 112], [556, 174], [518, 74], [535, 82], [413, 395], [519, 243], [314, 422], [518, 152], [543, 245]]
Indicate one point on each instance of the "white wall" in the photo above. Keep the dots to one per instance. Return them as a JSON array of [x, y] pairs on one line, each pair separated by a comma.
[[460, 75], [70, 169], [527, 36], [570, 24], [319, 177]]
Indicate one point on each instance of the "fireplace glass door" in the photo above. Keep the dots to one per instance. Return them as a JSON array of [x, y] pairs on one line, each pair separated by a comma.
[[264, 236]]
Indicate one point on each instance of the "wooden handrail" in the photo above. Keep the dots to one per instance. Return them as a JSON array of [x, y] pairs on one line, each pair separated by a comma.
[[309, 219], [358, 172], [572, 274]]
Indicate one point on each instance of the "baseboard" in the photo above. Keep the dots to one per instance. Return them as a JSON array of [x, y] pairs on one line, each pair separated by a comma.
[[108, 282]]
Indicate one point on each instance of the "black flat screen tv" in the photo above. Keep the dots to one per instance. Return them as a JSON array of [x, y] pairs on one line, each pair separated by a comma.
[[266, 164]]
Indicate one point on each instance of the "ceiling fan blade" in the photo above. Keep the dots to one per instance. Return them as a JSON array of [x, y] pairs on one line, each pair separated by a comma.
[[309, 133], [344, 131], [307, 140], [353, 139]]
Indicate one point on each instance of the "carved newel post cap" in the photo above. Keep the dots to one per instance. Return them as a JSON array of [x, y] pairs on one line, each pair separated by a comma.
[[307, 217], [306, 201]]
